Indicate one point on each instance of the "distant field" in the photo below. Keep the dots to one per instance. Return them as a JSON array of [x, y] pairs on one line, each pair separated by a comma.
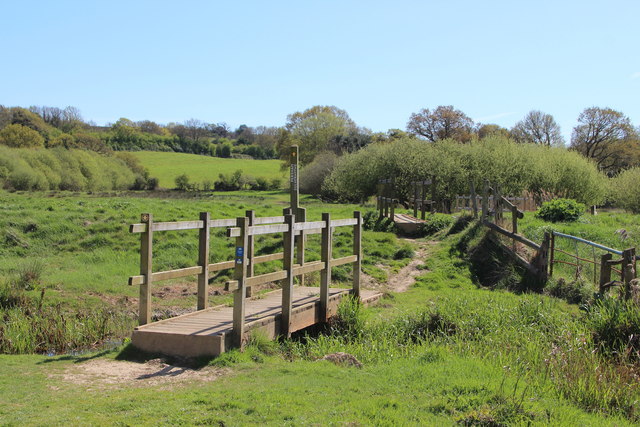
[[167, 166]]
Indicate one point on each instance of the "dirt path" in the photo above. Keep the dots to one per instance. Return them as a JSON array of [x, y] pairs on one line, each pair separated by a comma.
[[402, 280]]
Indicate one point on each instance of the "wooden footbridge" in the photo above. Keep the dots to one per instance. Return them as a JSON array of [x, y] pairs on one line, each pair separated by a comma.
[[210, 331]]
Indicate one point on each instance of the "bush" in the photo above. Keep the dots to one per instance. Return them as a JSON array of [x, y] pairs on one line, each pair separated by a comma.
[[313, 175], [615, 325], [372, 221], [623, 190], [434, 223], [182, 182], [561, 210]]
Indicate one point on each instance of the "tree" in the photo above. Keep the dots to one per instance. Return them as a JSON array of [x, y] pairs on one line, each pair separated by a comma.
[[442, 123], [195, 128], [313, 130], [538, 128], [488, 130], [606, 136], [16, 135]]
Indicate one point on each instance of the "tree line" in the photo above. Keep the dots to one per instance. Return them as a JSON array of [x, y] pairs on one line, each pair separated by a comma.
[[323, 133]]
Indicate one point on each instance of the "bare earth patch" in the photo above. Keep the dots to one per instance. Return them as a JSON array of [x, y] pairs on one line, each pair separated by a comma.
[[406, 277], [100, 373]]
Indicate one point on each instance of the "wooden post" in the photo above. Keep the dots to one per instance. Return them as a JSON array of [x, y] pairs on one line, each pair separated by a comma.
[[203, 261], [146, 269], [552, 250], [497, 203], [514, 219], [544, 258], [287, 284], [357, 251], [423, 204], [485, 200], [240, 275], [251, 215], [474, 202], [628, 270], [605, 271], [301, 216], [325, 273], [415, 199], [393, 210], [293, 178], [593, 210], [433, 194]]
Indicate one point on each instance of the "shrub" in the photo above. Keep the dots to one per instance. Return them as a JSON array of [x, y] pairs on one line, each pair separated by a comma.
[[615, 325], [565, 210], [313, 175], [182, 182], [434, 223], [372, 221], [623, 190]]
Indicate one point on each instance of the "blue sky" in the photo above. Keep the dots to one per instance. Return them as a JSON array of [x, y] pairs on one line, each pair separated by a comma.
[[255, 62]]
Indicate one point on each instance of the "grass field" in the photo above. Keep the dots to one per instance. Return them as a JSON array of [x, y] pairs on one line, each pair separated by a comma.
[[446, 352], [167, 166]]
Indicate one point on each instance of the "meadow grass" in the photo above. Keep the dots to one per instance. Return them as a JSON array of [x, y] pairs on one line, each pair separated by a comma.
[[167, 166], [85, 254], [446, 352]]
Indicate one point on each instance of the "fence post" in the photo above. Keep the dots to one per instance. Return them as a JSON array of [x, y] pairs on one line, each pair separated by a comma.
[[605, 271], [325, 273], [301, 216], [485, 200], [628, 270], [497, 202], [552, 250], [544, 257], [393, 210], [146, 269], [474, 202], [423, 201], [433, 194], [287, 284], [416, 195], [357, 251], [251, 216], [203, 261], [514, 219], [240, 275]]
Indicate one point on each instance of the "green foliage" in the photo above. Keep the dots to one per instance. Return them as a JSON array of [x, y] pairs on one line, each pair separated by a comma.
[[624, 190], [434, 223], [182, 182], [16, 135], [62, 169], [313, 175], [371, 221], [615, 324], [561, 210], [516, 167]]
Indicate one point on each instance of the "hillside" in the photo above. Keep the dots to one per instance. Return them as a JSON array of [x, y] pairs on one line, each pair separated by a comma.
[[167, 166]]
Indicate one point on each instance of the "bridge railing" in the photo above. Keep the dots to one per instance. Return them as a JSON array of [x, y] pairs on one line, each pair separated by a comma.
[[244, 229]]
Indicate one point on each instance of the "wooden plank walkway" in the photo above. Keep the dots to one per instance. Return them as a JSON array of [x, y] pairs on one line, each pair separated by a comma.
[[407, 223], [208, 332]]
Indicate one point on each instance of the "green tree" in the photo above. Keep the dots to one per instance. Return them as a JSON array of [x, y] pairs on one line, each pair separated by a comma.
[[313, 130], [606, 136], [442, 123], [489, 130], [538, 128], [182, 182], [16, 135]]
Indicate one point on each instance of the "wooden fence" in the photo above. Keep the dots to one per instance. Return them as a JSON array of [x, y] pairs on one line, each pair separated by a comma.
[[493, 207], [603, 266], [244, 229]]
